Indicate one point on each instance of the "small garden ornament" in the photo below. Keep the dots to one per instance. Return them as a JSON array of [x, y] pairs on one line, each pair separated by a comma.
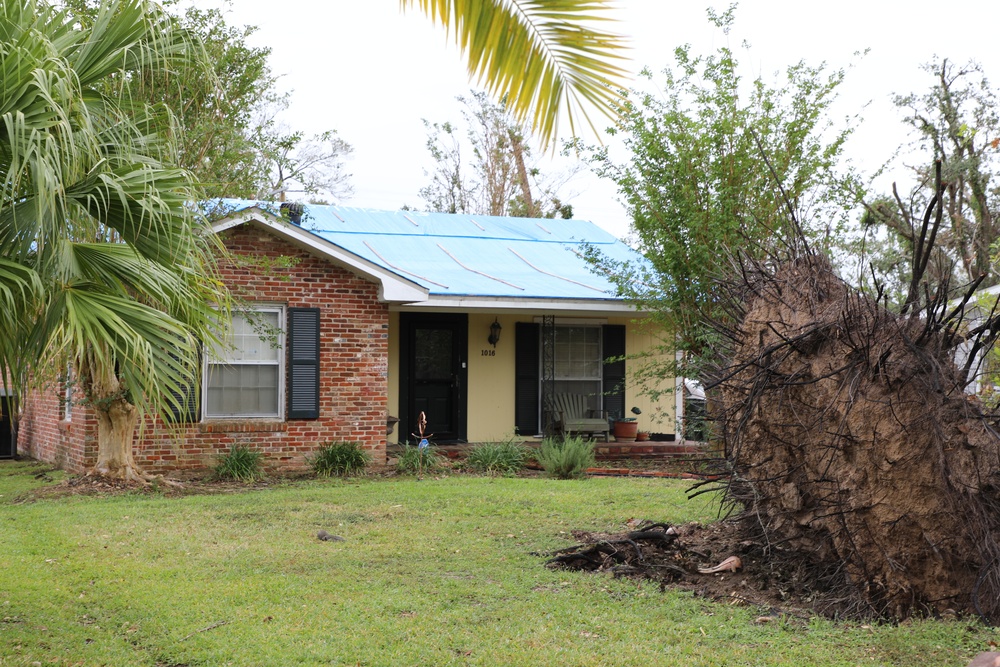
[[422, 444]]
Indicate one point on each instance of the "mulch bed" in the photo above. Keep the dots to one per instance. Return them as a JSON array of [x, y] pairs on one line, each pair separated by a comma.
[[203, 482]]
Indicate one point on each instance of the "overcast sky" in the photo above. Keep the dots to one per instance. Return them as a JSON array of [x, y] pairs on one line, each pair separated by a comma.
[[372, 73]]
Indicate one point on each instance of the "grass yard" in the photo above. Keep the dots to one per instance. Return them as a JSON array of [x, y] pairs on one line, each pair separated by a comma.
[[435, 572]]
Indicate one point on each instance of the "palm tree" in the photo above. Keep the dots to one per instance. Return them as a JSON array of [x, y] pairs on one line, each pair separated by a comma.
[[102, 260], [542, 56]]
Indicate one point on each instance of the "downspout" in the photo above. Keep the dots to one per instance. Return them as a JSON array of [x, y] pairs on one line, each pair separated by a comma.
[[679, 401]]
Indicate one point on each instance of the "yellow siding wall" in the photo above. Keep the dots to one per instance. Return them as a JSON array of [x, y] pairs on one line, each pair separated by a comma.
[[491, 378], [657, 416]]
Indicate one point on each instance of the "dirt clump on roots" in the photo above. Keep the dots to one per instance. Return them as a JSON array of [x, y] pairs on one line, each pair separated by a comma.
[[716, 561], [855, 449]]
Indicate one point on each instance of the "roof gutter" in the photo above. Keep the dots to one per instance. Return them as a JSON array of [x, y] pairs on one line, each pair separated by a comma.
[[522, 304]]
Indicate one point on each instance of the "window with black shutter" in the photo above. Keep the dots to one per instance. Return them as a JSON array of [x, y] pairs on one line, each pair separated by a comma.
[[244, 375], [303, 359], [581, 367]]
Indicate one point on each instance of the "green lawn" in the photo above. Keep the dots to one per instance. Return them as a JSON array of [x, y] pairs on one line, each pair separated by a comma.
[[433, 572]]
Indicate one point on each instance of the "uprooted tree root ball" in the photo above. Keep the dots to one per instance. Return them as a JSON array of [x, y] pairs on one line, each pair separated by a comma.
[[864, 482], [854, 448]]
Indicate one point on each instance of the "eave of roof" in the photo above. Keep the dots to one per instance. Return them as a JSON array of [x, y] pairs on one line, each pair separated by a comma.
[[393, 288]]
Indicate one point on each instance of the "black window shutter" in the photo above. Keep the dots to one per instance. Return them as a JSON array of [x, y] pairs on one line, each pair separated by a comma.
[[303, 360], [614, 371], [186, 410], [526, 365]]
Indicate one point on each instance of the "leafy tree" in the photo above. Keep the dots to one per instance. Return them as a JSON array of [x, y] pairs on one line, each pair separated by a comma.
[[955, 122], [225, 107], [542, 56], [714, 164], [490, 173], [231, 138], [314, 167], [102, 258]]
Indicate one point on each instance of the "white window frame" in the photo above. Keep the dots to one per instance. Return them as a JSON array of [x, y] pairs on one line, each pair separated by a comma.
[[66, 395], [600, 351], [578, 323], [209, 361]]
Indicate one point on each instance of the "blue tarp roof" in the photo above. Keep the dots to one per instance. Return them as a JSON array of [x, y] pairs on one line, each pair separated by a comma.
[[469, 255]]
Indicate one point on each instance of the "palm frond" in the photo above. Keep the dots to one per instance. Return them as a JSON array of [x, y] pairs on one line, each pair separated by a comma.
[[152, 352], [20, 290], [542, 56], [101, 255]]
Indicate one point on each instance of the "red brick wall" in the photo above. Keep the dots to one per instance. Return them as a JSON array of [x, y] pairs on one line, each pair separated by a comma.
[[43, 434], [354, 331]]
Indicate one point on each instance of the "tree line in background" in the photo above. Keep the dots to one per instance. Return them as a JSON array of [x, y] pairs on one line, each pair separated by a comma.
[[226, 107], [490, 170]]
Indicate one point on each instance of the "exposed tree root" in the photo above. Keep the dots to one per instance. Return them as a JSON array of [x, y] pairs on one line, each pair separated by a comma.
[[134, 476], [688, 557]]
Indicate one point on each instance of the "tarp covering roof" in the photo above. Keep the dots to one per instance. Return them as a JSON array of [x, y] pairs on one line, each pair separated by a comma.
[[468, 255]]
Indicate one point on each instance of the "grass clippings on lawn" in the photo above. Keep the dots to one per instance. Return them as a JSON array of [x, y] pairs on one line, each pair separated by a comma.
[[432, 572]]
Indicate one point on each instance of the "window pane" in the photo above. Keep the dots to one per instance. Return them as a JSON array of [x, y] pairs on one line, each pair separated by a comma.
[[578, 352], [432, 350], [255, 337], [235, 391]]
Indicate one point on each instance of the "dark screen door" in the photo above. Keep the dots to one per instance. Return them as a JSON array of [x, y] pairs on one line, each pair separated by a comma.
[[434, 374]]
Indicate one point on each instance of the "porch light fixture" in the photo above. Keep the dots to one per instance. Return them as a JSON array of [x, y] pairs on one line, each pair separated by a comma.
[[494, 333]]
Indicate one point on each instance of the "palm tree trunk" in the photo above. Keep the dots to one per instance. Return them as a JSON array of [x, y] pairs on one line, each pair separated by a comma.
[[116, 423], [117, 419]]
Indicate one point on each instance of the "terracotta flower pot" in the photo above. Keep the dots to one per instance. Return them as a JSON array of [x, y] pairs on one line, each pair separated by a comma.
[[641, 436], [626, 431]]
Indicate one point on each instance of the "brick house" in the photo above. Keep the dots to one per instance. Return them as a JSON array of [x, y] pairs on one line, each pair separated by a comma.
[[351, 318]]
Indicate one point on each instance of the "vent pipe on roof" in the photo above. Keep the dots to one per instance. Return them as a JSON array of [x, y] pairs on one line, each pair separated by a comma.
[[293, 212]]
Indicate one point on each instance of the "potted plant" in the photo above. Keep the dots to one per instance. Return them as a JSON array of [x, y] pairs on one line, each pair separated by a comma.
[[642, 436], [626, 429]]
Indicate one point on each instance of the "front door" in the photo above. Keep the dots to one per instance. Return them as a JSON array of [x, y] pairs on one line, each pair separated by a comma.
[[433, 374]]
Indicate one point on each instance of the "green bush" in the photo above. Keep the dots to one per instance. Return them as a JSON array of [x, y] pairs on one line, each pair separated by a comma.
[[498, 458], [412, 459], [568, 458], [340, 458], [241, 463]]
